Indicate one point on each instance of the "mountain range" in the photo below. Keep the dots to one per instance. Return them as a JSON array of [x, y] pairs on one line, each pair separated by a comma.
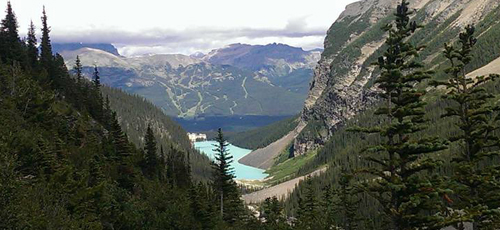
[[343, 86], [237, 80]]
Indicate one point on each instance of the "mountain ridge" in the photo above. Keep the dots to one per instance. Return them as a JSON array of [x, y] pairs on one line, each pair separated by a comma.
[[186, 86]]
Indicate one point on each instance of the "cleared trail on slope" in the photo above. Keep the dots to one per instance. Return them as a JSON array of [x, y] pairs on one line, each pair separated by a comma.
[[281, 190], [263, 158]]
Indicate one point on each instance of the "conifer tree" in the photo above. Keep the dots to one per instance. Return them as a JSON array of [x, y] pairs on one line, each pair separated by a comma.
[[46, 57], [328, 207], [178, 173], [163, 165], [78, 70], [150, 149], [200, 207], [407, 197], [476, 183], [228, 197], [96, 79], [273, 215], [32, 49], [347, 202], [308, 214], [10, 43]]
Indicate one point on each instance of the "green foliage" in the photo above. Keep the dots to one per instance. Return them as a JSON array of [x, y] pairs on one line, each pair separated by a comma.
[[262, 137], [45, 46], [408, 199], [288, 169], [152, 163], [309, 211], [230, 204], [272, 215], [32, 49], [477, 121], [135, 113], [65, 166], [10, 45]]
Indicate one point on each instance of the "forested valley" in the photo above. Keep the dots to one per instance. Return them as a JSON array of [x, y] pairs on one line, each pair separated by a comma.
[[75, 154]]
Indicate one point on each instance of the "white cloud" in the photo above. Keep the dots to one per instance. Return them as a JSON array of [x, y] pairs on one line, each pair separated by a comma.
[[183, 26]]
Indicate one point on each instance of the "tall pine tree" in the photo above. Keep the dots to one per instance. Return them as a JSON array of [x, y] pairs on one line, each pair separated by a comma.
[[150, 149], [476, 183], [309, 212], [96, 79], [78, 70], [347, 202], [407, 197], [10, 43], [46, 57], [227, 192], [32, 48]]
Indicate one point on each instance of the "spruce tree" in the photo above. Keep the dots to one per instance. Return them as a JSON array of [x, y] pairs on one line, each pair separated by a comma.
[[96, 104], [347, 202], [46, 57], [223, 183], [475, 181], [272, 213], [309, 212], [96, 79], [32, 49], [399, 162], [178, 173], [78, 70], [10, 43], [150, 149], [328, 208]]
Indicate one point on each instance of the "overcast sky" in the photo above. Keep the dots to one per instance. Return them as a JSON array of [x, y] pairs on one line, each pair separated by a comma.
[[182, 26]]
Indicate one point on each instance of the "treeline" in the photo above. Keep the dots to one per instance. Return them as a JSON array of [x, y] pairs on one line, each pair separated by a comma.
[[66, 163], [264, 136]]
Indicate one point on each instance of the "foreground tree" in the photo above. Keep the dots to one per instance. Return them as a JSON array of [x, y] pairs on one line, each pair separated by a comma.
[[475, 182], [78, 68], [405, 194], [10, 43], [151, 156], [230, 204], [46, 57], [32, 49]]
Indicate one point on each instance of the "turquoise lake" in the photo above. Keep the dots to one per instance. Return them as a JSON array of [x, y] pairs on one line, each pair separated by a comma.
[[240, 171]]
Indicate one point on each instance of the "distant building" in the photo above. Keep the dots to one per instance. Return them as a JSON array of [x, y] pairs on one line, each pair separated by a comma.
[[194, 137]]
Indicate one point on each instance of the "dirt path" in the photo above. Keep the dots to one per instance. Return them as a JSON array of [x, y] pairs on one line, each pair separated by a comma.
[[492, 67], [280, 190]]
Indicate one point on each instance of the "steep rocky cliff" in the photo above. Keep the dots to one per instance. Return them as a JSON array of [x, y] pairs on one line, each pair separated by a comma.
[[343, 80]]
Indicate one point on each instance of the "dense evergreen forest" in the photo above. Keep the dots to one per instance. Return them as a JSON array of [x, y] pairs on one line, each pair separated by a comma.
[[66, 163], [263, 136], [422, 159], [135, 113]]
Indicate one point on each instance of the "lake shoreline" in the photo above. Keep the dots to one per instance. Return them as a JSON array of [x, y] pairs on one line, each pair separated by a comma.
[[244, 174]]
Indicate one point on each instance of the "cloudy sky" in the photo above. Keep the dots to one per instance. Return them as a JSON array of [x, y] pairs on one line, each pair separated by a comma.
[[183, 26]]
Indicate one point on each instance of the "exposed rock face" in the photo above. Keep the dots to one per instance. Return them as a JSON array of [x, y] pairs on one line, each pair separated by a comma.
[[343, 82]]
